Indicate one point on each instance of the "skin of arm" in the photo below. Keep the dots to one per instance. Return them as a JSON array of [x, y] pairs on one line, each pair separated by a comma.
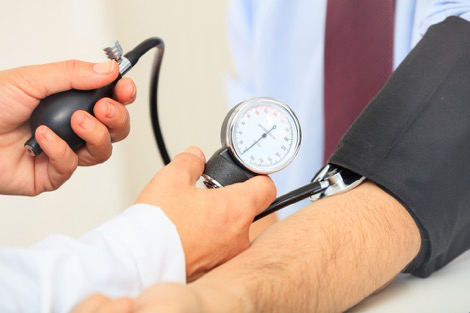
[[324, 258], [260, 225]]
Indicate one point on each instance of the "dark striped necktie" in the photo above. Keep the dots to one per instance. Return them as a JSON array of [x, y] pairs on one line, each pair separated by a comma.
[[358, 61]]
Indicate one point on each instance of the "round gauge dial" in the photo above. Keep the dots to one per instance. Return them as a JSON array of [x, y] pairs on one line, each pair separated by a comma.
[[264, 135]]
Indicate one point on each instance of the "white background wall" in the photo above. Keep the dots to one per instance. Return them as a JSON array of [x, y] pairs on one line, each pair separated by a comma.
[[191, 97]]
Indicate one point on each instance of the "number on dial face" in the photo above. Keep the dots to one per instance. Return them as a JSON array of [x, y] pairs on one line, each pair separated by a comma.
[[265, 137]]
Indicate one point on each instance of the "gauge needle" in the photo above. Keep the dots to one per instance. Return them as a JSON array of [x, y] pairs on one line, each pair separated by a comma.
[[263, 128], [262, 136]]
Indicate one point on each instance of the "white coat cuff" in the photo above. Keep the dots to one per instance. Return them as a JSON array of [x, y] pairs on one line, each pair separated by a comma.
[[153, 241]]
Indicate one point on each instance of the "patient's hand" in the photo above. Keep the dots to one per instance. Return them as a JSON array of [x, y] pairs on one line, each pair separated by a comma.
[[213, 224]]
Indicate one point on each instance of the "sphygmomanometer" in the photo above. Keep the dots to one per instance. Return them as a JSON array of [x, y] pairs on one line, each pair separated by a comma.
[[258, 136], [412, 139]]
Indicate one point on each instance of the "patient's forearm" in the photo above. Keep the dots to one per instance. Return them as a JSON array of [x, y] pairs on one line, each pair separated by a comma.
[[325, 258], [259, 226]]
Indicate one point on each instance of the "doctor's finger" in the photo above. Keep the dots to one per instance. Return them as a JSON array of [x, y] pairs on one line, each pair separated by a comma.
[[125, 91], [188, 165], [257, 193], [115, 117], [62, 160], [98, 148], [46, 79], [91, 304], [101, 304], [121, 305]]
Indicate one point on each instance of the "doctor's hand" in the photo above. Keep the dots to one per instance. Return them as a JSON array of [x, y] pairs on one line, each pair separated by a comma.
[[213, 224], [22, 88]]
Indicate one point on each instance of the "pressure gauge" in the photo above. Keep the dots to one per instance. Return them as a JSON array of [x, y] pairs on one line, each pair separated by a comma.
[[263, 134], [259, 136]]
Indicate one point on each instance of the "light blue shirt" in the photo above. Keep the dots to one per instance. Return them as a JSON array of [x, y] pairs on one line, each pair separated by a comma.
[[277, 50]]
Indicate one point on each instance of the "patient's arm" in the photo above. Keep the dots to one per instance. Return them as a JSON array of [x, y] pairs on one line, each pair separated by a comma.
[[259, 226], [325, 258]]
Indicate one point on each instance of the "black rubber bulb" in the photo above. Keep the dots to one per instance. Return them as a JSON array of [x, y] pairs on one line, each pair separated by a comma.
[[56, 112]]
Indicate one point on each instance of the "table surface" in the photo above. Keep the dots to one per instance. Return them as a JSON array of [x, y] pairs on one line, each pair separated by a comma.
[[447, 290]]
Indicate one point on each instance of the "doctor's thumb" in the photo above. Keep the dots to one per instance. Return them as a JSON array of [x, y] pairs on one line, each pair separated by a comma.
[[40, 81], [259, 191]]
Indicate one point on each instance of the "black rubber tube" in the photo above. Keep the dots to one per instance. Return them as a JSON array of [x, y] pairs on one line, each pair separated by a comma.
[[291, 198], [133, 56]]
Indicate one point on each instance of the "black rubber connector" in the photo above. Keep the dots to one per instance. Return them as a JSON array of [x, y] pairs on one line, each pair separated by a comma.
[[223, 168]]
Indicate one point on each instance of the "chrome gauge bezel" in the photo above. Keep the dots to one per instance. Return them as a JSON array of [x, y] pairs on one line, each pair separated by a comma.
[[229, 125]]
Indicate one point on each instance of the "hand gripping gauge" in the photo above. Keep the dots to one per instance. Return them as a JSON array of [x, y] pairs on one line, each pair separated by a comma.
[[262, 136]]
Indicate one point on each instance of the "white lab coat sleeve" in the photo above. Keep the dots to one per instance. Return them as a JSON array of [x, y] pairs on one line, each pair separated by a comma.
[[132, 251]]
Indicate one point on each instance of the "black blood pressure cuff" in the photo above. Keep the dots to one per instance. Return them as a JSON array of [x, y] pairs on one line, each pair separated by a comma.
[[413, 140]]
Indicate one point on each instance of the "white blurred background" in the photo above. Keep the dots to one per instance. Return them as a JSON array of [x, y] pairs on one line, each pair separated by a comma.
[[191, 94]]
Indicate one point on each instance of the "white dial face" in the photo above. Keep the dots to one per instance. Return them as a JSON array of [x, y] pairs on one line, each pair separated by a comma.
[[265, 136]]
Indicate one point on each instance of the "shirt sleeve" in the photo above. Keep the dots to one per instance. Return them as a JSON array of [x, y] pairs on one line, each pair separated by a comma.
[[122, 257], [240, 86], [438, 10]]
